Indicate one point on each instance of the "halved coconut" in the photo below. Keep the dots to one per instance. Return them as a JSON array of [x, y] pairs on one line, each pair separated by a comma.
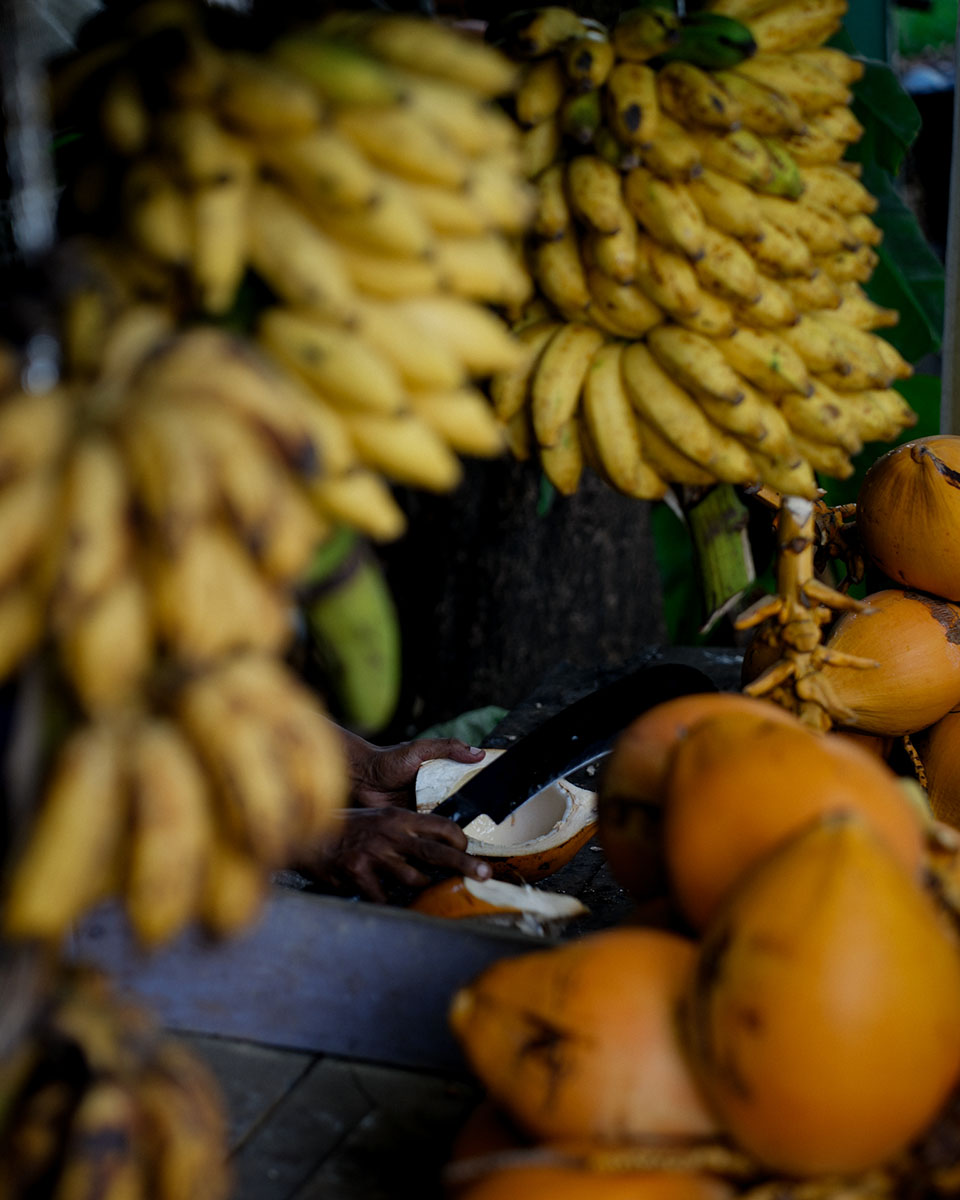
[[461, 896], [536, 839]]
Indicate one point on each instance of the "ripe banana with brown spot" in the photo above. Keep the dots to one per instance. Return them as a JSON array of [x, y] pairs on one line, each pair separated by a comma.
[[667, 211], [631, 105], [405, 449], [796, 24], [727, 204], [697, 363], [542, 87], [558, 379], [762, 109], [767, 360], [727, 269], [696, 97], [797, 76], [510, 390], [560, 274], [479, 338], [595, 192], [672, 154], [667, 278], [563, 462], [630, 310], [362, 500], [613, 253]]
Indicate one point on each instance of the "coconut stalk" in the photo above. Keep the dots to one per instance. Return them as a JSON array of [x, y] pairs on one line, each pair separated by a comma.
[[718, 525], [795, 618]]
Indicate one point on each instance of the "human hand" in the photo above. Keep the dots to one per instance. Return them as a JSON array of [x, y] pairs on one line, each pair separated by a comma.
[[381, 775], [381, 852]]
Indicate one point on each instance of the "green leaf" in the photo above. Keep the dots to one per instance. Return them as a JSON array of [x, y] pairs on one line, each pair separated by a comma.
[[470, 727], [890, 118]]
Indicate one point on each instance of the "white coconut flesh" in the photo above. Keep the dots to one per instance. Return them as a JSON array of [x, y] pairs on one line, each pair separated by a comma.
[[522, 898], [548, 819]]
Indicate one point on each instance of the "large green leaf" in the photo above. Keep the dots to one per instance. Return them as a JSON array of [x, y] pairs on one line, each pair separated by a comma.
[[889, 116]]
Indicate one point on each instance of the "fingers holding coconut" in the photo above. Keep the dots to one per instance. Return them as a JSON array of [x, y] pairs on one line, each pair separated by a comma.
[[377, 852]]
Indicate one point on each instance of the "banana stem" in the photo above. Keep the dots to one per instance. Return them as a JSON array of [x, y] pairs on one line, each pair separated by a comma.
[[718, 525]]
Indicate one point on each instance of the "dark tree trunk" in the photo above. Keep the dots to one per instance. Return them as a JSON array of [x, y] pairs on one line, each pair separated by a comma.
[[492, 595]]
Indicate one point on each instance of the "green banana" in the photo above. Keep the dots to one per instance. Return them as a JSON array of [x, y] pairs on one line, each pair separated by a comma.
[[581, 117], [351, 635], [711, 41]]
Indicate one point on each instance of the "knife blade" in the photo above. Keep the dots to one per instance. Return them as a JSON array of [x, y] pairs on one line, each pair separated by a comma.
[[575, 737]]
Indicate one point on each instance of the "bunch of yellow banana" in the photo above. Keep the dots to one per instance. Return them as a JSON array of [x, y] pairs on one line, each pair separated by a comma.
[[699, 250], [98, 1101], [359, 170], [184, 813]]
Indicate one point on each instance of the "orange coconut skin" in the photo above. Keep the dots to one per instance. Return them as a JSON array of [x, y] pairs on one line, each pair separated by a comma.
[[915, 640], [939, 750], [571, 1183], [632, 783], [908, 514], [824, 1017], [580, 1042], [738, 786]]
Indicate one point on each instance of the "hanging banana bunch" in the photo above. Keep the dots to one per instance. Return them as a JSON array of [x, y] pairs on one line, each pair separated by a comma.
[[278, 299], [699, 249]]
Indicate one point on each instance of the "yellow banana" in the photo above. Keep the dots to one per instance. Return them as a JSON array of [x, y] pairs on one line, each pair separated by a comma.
[[323, 168], [234, 887], [201, 153], [423, 45], [22, 626], [134, 334], [502, 194], [467, 120], [629, 308], [244, 762], [741, 10], [518, 434], [340, 71], [767, 360], [509, 390], [362, 500], [825, 457], [798, 77], [833, 62], [186, 1156], [100, 1155], [219, 224], [613, 429], [825, 232], [773, 308], [779, 251], [559, 271], [613, 253], [678, 417], [834, 188], [73, 842], [812, 292], [156, 212], [713, 318], [169, 476], [791, 476], [259, 98], [588, 60], [666, 278], [696, 97], [554, 216], [762, 109], [596, 194], [856, 308], [386, 276], [796, 24], [540, 31], [452, 212], [822, 346], [848, 266], [539, 146], [478, 337], [298, 262], [421, 361], [209, 598], [393, 224], [866, 360], [486, 268], [170, 831], [672, 154], [739, 154], [34, 428], [642, 33], [405, 448], [879, 415], [727, 269], [824, 416], [123, 114], [631, 104], [725, 203], [208, 364], [107, 649], [563, 462], [668, 462], [755, 421], [696, 363], [342, 366], [558, 379], [863, 231], [400, 141], [540, 92], [27, 508], [815, 146], [463, 418]]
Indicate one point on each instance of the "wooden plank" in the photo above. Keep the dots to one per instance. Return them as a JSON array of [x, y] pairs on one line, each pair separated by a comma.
[[252, 1078], [400, 1145], [316, 973]]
